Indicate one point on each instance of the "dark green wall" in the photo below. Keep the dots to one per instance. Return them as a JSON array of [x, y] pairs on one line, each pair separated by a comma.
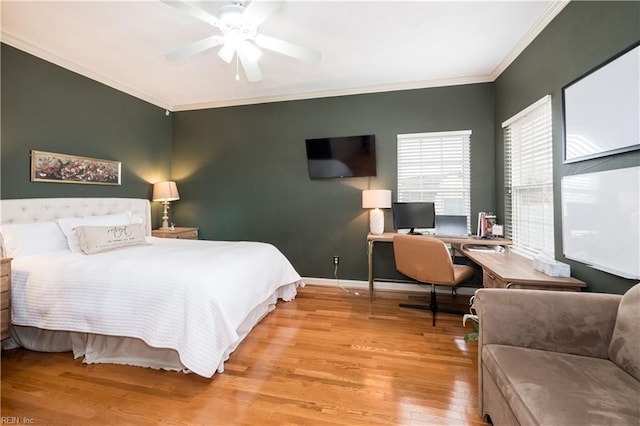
[[243, 172], [49, 108], [581, 37]]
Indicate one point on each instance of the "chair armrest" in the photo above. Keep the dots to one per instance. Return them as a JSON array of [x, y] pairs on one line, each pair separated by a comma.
[[568, 322]]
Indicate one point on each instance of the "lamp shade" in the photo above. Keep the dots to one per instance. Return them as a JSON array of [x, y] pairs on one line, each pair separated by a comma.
[[165, 191], [376, 198]]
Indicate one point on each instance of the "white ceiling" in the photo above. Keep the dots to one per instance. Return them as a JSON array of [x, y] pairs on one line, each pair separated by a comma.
[[366, 46]]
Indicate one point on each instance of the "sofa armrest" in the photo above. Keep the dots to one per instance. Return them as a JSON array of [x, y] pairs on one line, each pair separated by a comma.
[[568, 322]]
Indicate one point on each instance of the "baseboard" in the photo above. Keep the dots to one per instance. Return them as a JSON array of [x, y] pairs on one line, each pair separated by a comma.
[[385, 285]]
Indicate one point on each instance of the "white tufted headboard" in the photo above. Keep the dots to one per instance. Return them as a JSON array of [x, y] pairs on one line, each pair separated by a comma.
[[31, 210]]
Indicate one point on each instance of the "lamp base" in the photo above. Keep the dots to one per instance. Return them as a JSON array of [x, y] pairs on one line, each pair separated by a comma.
[[376, 221], [165, 216]]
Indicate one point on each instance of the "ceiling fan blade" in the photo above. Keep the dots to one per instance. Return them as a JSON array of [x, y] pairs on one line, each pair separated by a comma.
[[287, 48], [251, 69], [194, 11], [258, 10], [226, 53], [194, 48]]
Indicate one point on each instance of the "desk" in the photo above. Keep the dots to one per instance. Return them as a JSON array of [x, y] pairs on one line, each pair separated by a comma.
[[456, 243], [508, 269]]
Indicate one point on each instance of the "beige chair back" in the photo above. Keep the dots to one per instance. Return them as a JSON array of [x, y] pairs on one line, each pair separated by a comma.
[[424, 259]]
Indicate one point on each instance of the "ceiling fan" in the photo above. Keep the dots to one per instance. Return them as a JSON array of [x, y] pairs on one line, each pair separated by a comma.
[[240, 36]]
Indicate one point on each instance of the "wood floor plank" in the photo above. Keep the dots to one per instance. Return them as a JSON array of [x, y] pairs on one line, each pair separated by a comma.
[[327, 358]]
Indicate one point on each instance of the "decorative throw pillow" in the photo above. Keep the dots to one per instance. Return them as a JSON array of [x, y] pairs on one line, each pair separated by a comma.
[[96, 239], [69, 223]]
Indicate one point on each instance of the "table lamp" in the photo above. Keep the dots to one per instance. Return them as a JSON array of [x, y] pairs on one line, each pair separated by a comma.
[[376, 199], [165, 192]]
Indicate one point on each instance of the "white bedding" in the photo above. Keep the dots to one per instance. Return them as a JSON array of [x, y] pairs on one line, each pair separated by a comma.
[[190, 296]]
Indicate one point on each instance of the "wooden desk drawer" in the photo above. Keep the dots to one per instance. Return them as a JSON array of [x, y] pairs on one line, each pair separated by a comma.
[[491, 280], [4, 300], [543, 287]]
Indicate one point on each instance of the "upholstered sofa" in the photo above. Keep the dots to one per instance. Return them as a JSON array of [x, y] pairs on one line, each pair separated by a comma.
[[559, 358]]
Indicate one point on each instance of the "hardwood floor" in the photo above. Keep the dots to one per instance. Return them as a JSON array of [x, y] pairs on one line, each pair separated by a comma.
[[327, 358]]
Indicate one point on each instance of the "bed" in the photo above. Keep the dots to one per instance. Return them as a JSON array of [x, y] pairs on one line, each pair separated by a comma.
[[180, 305]]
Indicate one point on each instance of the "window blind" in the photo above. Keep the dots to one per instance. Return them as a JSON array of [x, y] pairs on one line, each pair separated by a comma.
[[436, 167], [529, 180]]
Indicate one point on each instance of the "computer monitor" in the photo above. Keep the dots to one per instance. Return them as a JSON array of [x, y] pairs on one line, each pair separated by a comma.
[[412, 216]]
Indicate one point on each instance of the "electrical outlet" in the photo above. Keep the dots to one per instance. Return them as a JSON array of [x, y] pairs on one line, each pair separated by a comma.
[[336, 260]]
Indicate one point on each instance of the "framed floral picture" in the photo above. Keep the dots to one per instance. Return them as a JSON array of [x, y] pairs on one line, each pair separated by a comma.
[[65, 168]]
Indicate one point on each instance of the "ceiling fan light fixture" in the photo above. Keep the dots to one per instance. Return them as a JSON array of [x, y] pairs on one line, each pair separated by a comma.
[[240, 38], [231, 14], [233, 38]]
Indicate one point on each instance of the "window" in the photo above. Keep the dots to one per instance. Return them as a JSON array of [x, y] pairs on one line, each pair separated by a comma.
[[436, 167], [529, 179]]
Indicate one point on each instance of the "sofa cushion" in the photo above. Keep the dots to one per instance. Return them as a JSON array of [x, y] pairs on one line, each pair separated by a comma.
[[624, 349], [552, 388]]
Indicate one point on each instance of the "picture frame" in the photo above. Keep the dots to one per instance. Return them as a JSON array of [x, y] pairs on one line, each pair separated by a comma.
[[601, 109], [54, 167]]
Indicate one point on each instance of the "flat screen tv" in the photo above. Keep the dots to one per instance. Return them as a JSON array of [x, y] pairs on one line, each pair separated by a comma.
[[347, 156]]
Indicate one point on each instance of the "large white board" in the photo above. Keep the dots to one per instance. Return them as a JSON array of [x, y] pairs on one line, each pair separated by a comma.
[[601, 110], [601, 220]]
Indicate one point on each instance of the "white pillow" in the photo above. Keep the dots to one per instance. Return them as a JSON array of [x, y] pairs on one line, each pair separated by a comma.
[[24, 239], [67, 225], [95, 239]]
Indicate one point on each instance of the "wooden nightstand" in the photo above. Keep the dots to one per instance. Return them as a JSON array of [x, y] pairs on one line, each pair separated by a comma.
[[5, 297], [181, 233]]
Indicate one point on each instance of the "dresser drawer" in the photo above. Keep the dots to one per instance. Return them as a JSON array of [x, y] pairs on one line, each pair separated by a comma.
[[5, 297], [190, 235], [4, 322], [5, 283], [177, 233]]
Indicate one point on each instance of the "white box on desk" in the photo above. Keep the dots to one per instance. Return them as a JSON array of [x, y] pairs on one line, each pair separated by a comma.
[[552, 267]]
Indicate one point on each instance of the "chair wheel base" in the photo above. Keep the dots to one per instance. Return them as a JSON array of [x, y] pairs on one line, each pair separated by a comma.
[[433, 307]]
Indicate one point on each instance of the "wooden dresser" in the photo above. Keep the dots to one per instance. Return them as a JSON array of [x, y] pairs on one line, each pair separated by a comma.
[[5, 296], [181, 233]]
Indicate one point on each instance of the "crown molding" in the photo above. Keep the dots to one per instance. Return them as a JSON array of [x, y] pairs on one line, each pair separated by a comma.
[[48, 56], [555, 7], [94, 75], [335, 93], [550, 13]]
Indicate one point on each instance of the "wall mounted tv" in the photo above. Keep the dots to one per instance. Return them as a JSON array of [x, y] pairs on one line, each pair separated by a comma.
[[338, 157]]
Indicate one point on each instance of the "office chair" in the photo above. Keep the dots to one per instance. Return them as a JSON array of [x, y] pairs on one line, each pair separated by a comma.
[[427, 260]]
